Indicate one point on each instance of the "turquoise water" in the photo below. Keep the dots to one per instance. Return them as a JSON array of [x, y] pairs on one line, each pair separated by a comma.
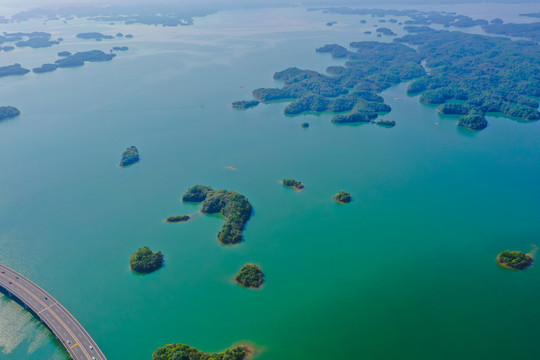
[[405, 271]]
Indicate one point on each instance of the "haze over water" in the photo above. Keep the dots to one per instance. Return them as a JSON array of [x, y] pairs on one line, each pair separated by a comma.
[[405, 271]]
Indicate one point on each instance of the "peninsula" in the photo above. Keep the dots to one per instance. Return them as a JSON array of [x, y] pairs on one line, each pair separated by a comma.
[[234, 207], [129, 157], [250, 276], [145, 260]]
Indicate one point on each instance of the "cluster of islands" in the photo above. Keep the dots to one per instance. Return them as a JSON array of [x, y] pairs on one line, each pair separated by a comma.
[[465, 74]]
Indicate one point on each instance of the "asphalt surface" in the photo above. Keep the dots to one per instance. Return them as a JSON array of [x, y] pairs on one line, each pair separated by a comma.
[[66, 328]]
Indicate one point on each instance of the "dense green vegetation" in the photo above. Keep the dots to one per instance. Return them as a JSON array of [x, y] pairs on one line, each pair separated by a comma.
[[473, 122], [352, 88], [293, 183], [79, 58], [185, 352], [250, 276], [45, 68], [490, 74], [7, 112], [130, 156], [342, 197], [178, 218], [94, 35], [234, 207], [530, 30], [514, 259], [244, 104], [145, 260], [15, 69]]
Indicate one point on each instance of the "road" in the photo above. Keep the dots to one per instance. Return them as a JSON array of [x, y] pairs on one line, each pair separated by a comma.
[[66, 328]]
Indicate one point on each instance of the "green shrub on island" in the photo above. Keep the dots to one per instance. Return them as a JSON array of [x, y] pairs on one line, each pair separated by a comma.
[[342, 197], [178, 218], [7, 112], [130, 156], [514, 259], [234, 207], [473, 122], [244, 104], [186, 352], [250, 276], [145, 260], [293, 183]]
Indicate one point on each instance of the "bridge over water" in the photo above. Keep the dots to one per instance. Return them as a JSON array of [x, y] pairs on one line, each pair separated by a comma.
[[66, 328]]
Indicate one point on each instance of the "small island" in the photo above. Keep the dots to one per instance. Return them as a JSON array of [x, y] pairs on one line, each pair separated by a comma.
[[45, 68], [64, 53], [129, 157], [244, 104], [516, 260], [15, 69], [234, 207], [386, 123], [250, 276], [145, 260], [186, 352], [342, 197], [295, 184], [304, 125], [7, 112], [177, 218], [120, 48], [94, 35]]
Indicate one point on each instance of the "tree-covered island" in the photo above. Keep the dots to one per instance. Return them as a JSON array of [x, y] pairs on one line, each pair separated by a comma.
[[130, 156], [386, 123], [234, 207], [342, 197], [178, 218], [45, 68], [473, 122], [250, 276], [244, 104], [516, 260], [295, 184], [185, 352], [79, 58], [145, 260], [15, 69], [7, 112]]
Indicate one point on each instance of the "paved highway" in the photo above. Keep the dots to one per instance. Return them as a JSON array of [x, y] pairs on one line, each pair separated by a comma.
[[66, 328]]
